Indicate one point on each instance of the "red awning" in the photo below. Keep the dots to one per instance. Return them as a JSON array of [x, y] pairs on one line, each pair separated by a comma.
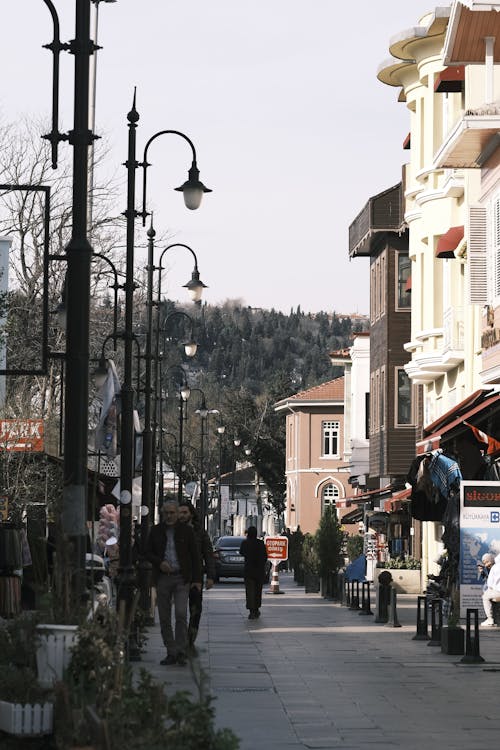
[[448, 242], [407, 142], [454, 426], [450, 79], [396, 501]]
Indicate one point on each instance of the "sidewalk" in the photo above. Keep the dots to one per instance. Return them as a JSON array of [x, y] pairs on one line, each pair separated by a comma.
[[312, 674]]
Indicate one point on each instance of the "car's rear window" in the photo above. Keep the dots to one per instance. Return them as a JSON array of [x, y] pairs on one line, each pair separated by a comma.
[[230, 541]]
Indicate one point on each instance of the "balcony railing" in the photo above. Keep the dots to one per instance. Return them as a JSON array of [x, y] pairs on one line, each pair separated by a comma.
[[453, 329], [382, 213]]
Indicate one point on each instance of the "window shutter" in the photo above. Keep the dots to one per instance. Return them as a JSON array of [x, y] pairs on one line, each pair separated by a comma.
[[477, 256], [496, 246]]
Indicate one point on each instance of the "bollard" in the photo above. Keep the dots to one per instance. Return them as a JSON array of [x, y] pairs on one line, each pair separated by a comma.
[[354, 596], [365, 599], [472, 655], [393, 621], [383, 595], [422, 620], [347, 593], [436, 622]]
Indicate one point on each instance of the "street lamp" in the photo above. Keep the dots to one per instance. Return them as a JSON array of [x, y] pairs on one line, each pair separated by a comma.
[[236, 444], [193, 190], [203, 411], [184, 394], [220, 431]]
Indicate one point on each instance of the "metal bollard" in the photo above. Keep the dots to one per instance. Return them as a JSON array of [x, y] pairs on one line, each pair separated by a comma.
[[422, 620], [382, 602], [436, 622], [472, 655], [341, 588], [365, 599], [347, 584], [393, 621], [354, 596]]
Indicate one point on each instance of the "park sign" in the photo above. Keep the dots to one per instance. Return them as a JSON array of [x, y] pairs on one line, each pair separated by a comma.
[[479, 533], [21, 435], [277, 547]]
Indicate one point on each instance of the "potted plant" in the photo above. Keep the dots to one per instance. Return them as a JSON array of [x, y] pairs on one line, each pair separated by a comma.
[[406, 574], [452, 634], [26, 708], [103, 703], [310, 563], [328, 542]]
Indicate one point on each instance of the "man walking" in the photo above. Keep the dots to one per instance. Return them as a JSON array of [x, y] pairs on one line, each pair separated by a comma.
[[173, 552], [188, 514], [254, 552]]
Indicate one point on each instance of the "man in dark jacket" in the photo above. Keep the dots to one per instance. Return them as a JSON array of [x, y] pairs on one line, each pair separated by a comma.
[[254, 552], [188, 514], [173, 552]]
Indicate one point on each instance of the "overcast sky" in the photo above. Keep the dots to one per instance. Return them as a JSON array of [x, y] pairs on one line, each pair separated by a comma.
[[292, 129]]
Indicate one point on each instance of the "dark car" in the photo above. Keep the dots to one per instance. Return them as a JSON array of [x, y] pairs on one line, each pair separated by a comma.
[[228, 561]]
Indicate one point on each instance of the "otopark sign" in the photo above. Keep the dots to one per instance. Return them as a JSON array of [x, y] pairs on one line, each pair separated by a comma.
[[276, 548], [277, 551]]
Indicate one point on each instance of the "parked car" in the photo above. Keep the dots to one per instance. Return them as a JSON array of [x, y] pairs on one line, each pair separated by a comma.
[[228, 561]]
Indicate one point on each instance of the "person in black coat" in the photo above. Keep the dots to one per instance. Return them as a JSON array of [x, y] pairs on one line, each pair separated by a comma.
[[188, 515], [173, 552], [254, 552]]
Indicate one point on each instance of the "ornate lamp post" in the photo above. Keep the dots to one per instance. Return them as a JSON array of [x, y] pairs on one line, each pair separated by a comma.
[[220, 431], [193, 191]]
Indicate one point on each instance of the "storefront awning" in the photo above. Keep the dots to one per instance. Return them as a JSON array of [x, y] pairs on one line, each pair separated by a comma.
[[450, 80], [471, 412], [354, 516], [395, 502], [449, 241]]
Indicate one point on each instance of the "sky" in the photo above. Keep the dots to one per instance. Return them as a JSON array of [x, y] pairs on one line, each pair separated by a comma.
[[292, 129]]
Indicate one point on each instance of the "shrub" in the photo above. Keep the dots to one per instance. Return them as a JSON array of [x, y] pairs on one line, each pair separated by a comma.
[[328, 542], [409, 563], [354, 547]]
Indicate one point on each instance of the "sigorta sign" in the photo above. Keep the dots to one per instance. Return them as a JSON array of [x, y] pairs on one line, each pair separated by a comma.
[[277, 547]]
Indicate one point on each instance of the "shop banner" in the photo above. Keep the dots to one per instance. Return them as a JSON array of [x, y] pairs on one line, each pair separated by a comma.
[[479, 534]]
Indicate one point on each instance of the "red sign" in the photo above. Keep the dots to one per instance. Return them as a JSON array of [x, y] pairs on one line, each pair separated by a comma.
[[277, 547], [21, 435]]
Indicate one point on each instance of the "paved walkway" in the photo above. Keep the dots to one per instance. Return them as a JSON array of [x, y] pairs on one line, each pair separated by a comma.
[[312, 674]]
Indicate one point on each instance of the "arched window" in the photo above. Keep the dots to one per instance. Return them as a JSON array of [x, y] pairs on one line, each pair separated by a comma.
[[329, 495]]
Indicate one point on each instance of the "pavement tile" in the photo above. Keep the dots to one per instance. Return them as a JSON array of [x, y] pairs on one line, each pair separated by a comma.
[[312, 674]]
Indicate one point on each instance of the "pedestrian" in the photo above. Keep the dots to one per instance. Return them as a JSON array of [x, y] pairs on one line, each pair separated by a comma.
[[254, 552], [484, 567], [173, 552], [492, 593], [188, 514]]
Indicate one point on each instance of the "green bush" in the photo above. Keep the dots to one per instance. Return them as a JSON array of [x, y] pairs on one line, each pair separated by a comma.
[[328, 542], [310, 557], [354, 547], [410, 563]]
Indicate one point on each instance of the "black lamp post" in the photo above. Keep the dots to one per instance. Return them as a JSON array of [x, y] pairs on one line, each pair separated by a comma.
[[236, 444], [220, 431], [193, 191], [203, 411], [184, 393]]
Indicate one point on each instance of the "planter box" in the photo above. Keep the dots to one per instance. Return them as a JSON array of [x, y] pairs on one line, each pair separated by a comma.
[[404, 581], [311, 583], [26, 720], [452, 641], [53, 652]]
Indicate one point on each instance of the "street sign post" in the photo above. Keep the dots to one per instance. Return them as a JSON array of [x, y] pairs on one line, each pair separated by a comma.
[[277, 551]]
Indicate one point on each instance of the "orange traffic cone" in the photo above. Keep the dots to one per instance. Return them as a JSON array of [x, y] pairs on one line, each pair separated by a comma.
[[275, 582]]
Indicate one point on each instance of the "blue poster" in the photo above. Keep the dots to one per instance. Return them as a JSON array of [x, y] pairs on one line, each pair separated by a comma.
[[479, 534]]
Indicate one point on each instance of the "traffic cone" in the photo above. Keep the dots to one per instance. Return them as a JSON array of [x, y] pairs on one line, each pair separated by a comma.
[[275, 582]]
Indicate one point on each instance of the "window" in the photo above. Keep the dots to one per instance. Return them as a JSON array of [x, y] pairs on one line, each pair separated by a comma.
[[328, 496], [403, 398], [403, 300], [331, 432]]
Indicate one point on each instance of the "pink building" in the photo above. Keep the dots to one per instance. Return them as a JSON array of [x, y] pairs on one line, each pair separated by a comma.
[[317, 472]]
